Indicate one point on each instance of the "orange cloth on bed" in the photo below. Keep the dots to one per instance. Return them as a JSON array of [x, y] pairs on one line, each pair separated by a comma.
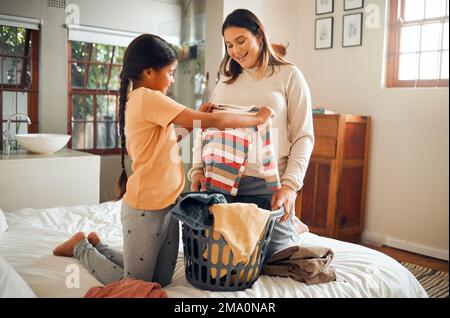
[[127, 288], [241, 225]]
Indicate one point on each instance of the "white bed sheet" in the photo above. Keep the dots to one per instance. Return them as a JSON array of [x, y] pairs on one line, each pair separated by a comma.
[[32, 235]]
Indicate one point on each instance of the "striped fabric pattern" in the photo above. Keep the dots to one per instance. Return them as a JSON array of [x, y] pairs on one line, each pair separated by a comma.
[[433, 281], [270, 166], [225, 154]]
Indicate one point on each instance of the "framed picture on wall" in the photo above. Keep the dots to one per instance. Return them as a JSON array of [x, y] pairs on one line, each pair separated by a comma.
[[353, 4], [352, 30], [324, 33], [324, 6]]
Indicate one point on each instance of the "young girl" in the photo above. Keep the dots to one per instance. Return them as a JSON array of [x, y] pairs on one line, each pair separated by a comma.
[[150, 234]]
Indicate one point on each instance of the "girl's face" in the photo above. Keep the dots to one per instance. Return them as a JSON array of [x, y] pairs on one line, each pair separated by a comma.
[[242, 46], [160, 80]]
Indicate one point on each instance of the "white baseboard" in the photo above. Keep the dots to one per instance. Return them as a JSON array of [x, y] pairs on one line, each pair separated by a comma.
[[373, 238], [382, 239]]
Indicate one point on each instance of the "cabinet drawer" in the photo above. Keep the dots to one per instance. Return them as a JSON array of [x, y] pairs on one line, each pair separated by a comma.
[[326, 127], [324, 147]]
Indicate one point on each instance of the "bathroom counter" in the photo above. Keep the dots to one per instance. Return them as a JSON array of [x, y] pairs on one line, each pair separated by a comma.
[[67, 177], [64, 153]]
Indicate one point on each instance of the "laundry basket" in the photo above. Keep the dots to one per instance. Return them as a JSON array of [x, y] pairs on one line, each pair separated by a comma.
[[204, 274]]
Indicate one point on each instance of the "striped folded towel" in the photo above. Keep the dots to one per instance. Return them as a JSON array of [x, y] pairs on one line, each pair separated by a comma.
[[225, 153]]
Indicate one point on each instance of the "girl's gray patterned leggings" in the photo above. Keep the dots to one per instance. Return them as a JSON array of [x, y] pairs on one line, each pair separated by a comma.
[[150, 249]]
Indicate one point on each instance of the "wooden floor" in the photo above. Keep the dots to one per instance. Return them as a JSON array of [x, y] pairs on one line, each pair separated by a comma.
[[405, 256]]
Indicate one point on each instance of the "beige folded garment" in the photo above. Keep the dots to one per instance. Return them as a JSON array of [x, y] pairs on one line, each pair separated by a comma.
[[241, 225], [310, 264]]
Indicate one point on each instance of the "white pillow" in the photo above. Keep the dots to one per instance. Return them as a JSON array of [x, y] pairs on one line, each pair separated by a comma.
[[12, 284], [3, 224]]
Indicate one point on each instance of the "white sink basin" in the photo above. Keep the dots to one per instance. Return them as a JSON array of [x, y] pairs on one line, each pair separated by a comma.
[[43, 143]]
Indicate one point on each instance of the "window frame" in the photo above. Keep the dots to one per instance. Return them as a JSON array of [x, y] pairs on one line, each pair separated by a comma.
[[33, 91], [94, 93], [395, 25]]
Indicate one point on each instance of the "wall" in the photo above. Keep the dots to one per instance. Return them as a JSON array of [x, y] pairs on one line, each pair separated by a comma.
[[135, 16], [407, 201], [214, 43]]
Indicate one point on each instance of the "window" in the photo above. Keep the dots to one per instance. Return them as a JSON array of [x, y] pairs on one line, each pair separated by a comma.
[[418, 43], [94, 96], [19, 62]]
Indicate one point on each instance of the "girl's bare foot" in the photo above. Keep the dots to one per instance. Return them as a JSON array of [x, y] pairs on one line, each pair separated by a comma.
[[93, 238], [66, 248]]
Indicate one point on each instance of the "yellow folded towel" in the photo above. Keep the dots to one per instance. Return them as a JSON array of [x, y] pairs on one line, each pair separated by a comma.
[[241, 225]]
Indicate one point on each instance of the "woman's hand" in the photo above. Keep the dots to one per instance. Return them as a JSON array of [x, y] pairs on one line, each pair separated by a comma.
[[207, 108], [284, 197], [198, 180], [264, 114]]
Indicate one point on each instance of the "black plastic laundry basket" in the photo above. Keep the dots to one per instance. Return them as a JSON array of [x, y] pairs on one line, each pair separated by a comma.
[[227, 277]]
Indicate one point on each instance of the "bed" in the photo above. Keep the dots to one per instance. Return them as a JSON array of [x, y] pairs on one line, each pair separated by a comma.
[[33, 233]]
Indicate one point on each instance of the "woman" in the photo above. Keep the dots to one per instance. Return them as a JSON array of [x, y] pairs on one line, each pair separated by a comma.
[[252, 74]]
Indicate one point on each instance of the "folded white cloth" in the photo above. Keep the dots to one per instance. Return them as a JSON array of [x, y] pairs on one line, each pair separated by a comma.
[[299, 226]]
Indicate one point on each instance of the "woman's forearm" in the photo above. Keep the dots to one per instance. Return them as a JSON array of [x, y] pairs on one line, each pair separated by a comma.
[[297, 163]]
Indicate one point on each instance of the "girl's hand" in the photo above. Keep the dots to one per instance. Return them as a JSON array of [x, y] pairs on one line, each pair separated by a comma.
[[264, 114], [284, 197], [207, 108], [198, 180]]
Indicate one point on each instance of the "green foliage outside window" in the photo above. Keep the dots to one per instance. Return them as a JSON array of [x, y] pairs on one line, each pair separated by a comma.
[[95, 70], [12, 40], [101, 59], [15, 53], [12, 50]]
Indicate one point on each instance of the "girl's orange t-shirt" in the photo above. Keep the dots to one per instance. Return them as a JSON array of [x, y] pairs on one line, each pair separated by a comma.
[[157, 170]]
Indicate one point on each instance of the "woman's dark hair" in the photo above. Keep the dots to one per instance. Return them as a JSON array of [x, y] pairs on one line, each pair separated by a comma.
[[144, 52], [243, 18]]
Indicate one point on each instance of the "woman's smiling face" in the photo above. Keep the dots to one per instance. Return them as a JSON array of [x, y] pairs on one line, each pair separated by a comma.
[[242, 46]]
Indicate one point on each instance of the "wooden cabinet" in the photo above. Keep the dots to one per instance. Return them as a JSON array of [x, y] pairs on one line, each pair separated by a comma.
[[332, 201]]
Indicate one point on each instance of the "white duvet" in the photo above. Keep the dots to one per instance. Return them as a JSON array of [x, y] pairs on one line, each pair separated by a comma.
[[32, 235]]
